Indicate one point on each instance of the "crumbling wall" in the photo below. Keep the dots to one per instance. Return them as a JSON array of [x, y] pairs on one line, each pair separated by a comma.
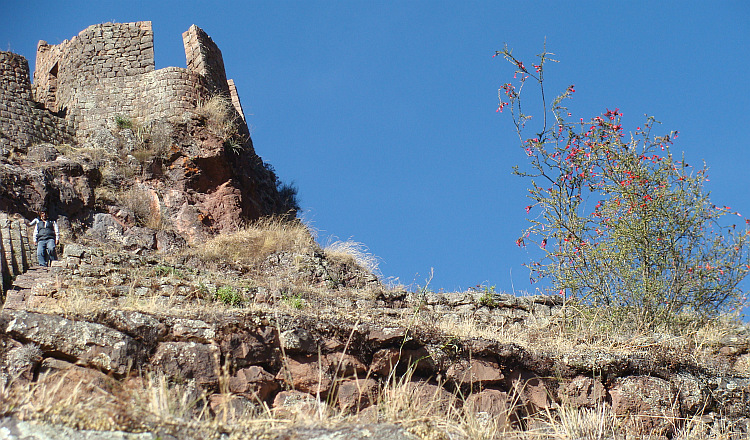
[[86, 78], [203, 57], [15, 250], [107, 71], [22, 122]]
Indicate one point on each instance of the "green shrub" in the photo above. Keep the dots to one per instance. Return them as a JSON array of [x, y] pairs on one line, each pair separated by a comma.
[[293, 301], [123, 122], [229, 296], [618, 220]]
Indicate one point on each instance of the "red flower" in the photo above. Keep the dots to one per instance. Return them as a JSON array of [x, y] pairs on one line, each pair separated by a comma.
[[528, 208], [544, 243]]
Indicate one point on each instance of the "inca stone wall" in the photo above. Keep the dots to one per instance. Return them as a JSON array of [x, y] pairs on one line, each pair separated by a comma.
[[203, 57], [22, 122], [98, 53], [105, 72], [15, 250]]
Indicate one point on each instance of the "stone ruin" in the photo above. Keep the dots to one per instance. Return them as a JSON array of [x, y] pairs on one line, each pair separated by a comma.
[[16, 255], [203, 183], [106, 71]]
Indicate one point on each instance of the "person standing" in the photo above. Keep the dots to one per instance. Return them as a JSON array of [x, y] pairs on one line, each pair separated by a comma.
[[46, 237]]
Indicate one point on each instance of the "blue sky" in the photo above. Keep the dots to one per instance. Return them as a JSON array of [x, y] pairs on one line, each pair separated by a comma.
[[383, 112]]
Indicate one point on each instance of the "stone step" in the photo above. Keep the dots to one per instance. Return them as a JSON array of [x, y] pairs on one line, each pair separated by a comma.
[[14, 299]]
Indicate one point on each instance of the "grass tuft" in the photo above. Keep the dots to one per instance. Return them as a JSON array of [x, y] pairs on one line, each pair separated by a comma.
[[256, 242], [353, 252]]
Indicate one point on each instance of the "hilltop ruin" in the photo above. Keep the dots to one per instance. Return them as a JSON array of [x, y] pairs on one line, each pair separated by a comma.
[[106, 71], [99, 101]]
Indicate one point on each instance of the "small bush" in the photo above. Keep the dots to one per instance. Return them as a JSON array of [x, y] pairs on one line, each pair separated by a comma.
[[229, 296], [154, 142], [123, 122], [288, 197], [294, 301]]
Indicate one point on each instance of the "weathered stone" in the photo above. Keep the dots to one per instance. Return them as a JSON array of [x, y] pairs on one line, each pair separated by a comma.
[[355, 432], [139, 238], [648, 403], [12, 428], [481, 371], [244, 349], [74, 250], [426, 396], [106, 227], [88, 344], [382, 336], [76, 385], [139, 325], [532, 390], [287, 404], [193, 330], [692, 394], [298, 340], [493, 403], [344, 364], [42, 153], [229, 408], [169, 241], [732, 395], [308, 374], [188, 360], [583, 392], [355, 394], [21, 362], [253, 382], [386, 359]]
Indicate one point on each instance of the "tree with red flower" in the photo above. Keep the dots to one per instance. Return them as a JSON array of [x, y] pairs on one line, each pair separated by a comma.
[[654, 247]]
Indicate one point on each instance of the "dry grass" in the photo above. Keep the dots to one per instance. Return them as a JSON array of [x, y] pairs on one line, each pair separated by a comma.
[[155, 140], [254, 243], [353, 252], [164, 402], [220, 115]]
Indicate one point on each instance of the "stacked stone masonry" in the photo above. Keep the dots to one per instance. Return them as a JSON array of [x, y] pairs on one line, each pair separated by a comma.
[[22, 122], [15, 250], [105, 72]]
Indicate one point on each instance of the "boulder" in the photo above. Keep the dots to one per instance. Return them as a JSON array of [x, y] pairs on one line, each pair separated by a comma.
[[647, 402], [139, 238], [425, 396], [306, 373], [583, 392], [243, 349], [188, 360], [386, 359], [290, 404], [254, 383], [85, 343], [344, 364], [477, 370], [493, 404], [355, 394], [139, 325]]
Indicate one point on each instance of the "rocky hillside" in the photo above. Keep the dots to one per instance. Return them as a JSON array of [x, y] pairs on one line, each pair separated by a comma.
[[286, 340], [190, 303], [183, 178]]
